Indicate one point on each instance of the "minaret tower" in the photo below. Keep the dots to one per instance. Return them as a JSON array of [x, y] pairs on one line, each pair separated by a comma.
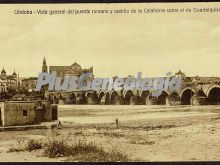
[[44, 67]]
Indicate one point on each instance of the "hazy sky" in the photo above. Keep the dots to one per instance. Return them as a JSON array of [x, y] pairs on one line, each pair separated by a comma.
[[119, 44]]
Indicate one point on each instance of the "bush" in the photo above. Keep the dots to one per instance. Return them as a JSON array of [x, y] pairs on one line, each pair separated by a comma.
[[33, 145], [82, 151], [26, 144], [56, 148], [14, 149]]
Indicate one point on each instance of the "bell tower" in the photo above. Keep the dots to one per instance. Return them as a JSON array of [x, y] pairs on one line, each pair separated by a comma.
[[44, 67]]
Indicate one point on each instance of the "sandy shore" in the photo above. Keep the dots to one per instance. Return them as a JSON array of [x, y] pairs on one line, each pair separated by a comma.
[[174, 134]]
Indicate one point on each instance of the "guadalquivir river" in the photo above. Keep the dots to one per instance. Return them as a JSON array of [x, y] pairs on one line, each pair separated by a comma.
[[108, 113]]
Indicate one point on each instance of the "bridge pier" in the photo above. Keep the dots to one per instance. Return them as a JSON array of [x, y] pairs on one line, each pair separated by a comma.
[[167, 102], [151, 101], [173, 102], [199, 100], [72, 98], [135, 100], [92, 101], [81, 99], [102, 101], [118, 100]]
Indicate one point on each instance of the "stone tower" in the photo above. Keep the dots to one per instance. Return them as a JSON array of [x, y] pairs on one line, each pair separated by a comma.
[[44, 67]]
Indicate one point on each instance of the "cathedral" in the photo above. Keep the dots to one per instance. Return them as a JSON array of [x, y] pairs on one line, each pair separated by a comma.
[[73, 70]]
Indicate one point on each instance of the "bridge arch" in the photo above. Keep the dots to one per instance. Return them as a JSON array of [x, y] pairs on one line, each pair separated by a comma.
[[186, 96], [101, 94], [127, 97], [144, 95], [87, 94], [113, 92], [104, 98], [92, 98], [160, 100], [73, 98], [115, 98], [81, 98], [213, 94]]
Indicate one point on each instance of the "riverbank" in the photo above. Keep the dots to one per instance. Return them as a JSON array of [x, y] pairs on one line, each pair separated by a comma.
[[180, 134]]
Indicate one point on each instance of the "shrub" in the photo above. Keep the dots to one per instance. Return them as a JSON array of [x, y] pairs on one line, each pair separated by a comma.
[[14, 149], [56, 148], [82, 151], [33, 145], [26, 144]]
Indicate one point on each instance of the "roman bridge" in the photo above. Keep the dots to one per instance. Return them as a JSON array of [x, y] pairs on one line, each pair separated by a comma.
[[199, 92]]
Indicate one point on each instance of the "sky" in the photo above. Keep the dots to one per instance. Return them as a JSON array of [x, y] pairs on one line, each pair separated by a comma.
[[115, 45]]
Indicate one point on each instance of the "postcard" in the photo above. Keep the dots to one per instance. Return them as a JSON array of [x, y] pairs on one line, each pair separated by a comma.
[[109, 82]]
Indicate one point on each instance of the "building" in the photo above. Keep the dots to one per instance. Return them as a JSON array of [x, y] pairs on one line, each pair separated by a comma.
[[16, 113], [73, 70], [3, 86], [8, 82], [29, 84]]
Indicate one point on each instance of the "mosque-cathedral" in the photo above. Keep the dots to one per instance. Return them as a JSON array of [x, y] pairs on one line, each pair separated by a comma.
[[73, 70]]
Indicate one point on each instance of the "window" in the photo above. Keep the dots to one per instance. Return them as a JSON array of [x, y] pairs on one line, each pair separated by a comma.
[[24, 112]]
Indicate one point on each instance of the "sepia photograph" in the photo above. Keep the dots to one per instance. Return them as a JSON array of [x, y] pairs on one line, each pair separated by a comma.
[[135, 82]]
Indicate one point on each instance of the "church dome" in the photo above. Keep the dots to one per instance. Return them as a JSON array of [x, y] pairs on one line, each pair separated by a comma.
[[76, 67]]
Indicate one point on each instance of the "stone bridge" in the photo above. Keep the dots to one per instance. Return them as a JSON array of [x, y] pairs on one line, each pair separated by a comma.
[[202, 91]]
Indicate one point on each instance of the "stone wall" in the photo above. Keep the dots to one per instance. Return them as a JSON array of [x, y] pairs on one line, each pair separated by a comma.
[[16, 113], [47, 112], [19, 113]]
